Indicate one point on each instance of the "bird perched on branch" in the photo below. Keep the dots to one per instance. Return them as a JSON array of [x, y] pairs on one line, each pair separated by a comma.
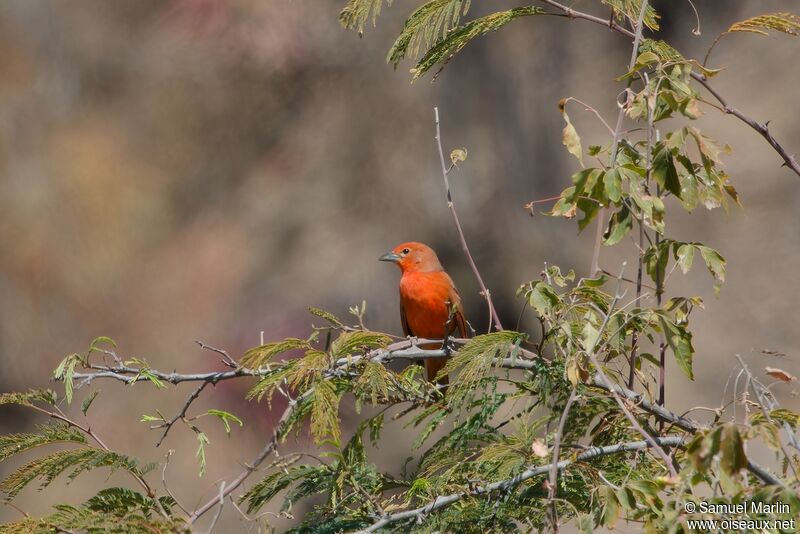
[[430, 306]]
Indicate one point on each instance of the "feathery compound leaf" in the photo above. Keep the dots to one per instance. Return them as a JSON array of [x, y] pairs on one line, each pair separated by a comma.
[[374, 382], [49, 467], [111, 510], [630, 9], [65, 371], [458, 37], [258, 356], [428, 24], [358, 341], [787, 23], [356, 13], [665, 52], [476, 358], [328, 316], [56, 433], [325, 413], [26, 399], [264, 491]]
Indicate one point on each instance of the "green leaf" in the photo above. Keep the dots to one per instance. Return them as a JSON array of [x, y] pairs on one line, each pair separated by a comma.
[[714, 261], [27, 398], [612, 179], [202, 441], [787, 23], [226, 419], [460, 36], [428, 24], [65, 371], [11, 444], [256, 357], [356, 13], [731, 446], [619, 225], [328, 316], [684, 254], [325, 413], [79, 460], [87, 402], [542, 298], [99, 340], [357, 342], [679, 340]]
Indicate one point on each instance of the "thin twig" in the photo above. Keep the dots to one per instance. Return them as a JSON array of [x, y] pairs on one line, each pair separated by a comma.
[[445, 171], [598, 238], [167, 425], [226, 359], [219, 510], [552, 490]]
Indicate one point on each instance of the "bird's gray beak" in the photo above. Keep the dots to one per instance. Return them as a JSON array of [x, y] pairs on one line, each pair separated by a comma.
[[390, 256]]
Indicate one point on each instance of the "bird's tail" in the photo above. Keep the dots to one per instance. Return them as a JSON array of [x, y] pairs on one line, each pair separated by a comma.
[[432, 368]]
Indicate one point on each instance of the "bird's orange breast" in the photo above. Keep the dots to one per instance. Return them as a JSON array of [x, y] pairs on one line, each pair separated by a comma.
[[424, 297]]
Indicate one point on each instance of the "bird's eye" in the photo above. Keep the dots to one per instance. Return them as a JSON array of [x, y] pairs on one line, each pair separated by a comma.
[[406, 250]]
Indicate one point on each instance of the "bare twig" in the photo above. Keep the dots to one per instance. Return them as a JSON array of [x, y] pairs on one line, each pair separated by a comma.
[[510, 484], [598, 237], [219, 510], [445, 171], [226, 359], [167, 425], [552, 490]]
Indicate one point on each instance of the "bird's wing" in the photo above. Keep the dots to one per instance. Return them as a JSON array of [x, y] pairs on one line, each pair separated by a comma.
[[403, 319], [459, 321]]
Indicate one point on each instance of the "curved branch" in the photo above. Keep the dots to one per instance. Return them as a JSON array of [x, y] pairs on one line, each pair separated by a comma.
[[445, 171]]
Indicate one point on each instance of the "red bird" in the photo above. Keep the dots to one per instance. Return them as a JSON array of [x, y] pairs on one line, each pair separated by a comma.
[[430, 306]]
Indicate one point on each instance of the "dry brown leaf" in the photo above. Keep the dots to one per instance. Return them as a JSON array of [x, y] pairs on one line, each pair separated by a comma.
[[779, 374]]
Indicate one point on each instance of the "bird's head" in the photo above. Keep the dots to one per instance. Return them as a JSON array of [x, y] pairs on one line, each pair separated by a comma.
[[413, 257]]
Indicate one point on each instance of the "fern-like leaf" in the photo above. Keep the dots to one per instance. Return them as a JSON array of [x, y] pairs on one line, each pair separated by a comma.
[[474, 359], [11, 444], [630, 9], [256, 357], [428, 24], [459, 37], [787, 23], [356, 13], [325, 413], [27, 398], [374, 382], [265, 491], [356, 342], [49, 467]]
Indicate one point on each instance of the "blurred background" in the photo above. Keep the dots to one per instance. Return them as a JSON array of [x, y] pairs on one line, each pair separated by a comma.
[[190, 170]]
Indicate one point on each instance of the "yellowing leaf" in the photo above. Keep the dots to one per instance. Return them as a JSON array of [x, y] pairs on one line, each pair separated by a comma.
[[571, 139], [458, 154]]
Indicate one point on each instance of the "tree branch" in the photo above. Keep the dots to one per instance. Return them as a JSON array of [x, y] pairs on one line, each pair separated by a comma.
[[445, 171], [510, 484]]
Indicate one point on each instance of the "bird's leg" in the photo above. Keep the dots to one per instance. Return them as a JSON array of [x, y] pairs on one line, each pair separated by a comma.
[[449, 327]]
